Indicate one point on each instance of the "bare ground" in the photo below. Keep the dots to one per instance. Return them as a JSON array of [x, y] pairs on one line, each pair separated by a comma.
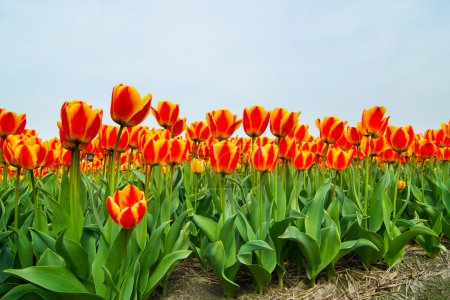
[[416, 277]]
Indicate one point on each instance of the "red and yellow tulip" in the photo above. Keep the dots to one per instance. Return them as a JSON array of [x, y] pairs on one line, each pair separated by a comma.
[[265, 158], [128, 109], [222, 123], [255, 120], [373, 122], [166, 114], [282, 122], [224, 157], [127, 207]]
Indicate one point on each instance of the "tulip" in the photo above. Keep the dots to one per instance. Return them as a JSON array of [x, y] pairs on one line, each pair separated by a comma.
[[265, 158], [282, 122], [11, 123], [177, 152], [166, 114], [353, 135], [222, 123], [128, 109], [343, 143], [224, 157], [303, 159], [135, 134], [400, 138], [427, 149], [300, 133], [197, 166], [24, 152], [108, 136], [79, 122], [263, 140], [338, 159], [286, 148], [389, 156], [444, 154], [331, 129], [255, 120], [154, 151], [178, 127], [198, 131], [373, 147], [203, 151], [372, 122], [401, 185], [127, 207]]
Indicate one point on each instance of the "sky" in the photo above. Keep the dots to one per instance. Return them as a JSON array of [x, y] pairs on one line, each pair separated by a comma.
[[318, 57]]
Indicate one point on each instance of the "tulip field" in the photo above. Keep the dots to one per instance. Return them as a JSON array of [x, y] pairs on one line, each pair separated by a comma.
[[109, 211]]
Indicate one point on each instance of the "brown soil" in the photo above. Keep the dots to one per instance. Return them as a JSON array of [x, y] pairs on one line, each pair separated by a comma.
[[416, 277]]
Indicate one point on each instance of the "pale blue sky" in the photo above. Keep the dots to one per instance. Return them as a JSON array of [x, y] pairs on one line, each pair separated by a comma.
[[319, 57]]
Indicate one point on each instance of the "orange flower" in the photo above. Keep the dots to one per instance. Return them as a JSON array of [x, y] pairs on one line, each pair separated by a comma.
[[198, 131], [108, 136], [178, 127], [203, 150], [286, 148], [427, 149], [263, 140], [26, 152], [222, 123], [177, 151], [374, 147], [197, 166], [265, 158], [135, 134], [224, 157], [338, 159], [300, 133], [353, 135], [401, 185], [79, 122], [303, 159], [343, 143], [444, 154], [127, 207], [154, 151], [372, 122], [244, 145], [389, 156], [128, 109], [11, 123], [282, 122], [400, 138], [166, 114], [331, 129], [255, 120]]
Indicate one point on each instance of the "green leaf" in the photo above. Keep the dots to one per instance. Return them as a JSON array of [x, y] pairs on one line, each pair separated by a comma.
[[309, 248], [398, 243], [115, 253], [215, 254], [50, 258], [174, 232], [163, 267], [54, 278], [375, 203], [330, 244], [76, 257], [207, 226], [314, 215], [41, 241], [348, 247], [22, 292], [24, 249], [228, 238], [4, 235]]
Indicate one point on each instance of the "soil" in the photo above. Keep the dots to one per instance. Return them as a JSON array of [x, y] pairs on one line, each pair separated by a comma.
[[416, 277]]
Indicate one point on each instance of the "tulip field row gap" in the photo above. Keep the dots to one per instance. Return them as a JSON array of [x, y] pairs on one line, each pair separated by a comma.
[[108, 212]]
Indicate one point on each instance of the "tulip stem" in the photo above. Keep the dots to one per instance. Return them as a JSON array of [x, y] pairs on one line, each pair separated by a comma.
[[128, 233], [16, 201], [394, 202], [366, 184], [5, 170], [37, 214], [112, 177], [261, 237], [75, 179], [171, 170], [222, 196]]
